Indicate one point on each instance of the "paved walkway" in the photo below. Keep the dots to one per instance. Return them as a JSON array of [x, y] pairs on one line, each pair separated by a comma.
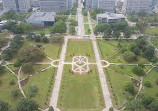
[[106, 93], [55, 93]]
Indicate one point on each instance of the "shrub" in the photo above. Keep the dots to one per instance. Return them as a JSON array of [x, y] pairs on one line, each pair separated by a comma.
[[129, 87], [141, 65], [15, 93], [138, 71], [1, 69], [12, 82], [157, 81], [1, 82], [129, 56], [17, 63], [111, 109], [4, 106], [147, 84], [27, 105], [146, 100], [27, 68], [33, 90], [51, 108], [45, 40]]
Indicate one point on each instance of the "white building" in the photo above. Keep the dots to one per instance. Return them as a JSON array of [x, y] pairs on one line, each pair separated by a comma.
[[136, 6], [16, 5], [106, 5], [110, 18], [55, 5], [45, 19]]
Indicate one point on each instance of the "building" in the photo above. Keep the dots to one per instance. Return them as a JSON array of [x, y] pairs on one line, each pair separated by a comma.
[[106, 5], [154, 2], [16, 5], [55, 5], [136, 6], [45, 19], [110, 18], [34, 3]]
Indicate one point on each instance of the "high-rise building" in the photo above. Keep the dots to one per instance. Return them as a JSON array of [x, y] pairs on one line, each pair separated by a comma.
[[16, 5], [55, 5], [136, 6], [154, 2], [106, 5]]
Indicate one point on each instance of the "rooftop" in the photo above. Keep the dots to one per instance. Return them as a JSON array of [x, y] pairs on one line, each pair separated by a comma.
[[111, 15], [43, 16]]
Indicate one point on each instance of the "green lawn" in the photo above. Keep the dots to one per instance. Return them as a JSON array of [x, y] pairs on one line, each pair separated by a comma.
[[116, 82], [85, 19], [45, 30], [152, 31], [155, 41], [44, 82], [152, 77], [80, 92], [36, 68], [87, 30], [53, 50], [6, 89], [79, 47], [109, 51]]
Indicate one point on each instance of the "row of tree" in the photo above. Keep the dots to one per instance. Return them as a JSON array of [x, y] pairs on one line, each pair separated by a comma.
[[113, 30], [23, 105]]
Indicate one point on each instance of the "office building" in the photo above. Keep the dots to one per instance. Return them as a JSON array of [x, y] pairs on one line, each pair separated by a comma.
[[110, 18], [55, 5], [136, 6], [106, 5], [16, 5], [45, 19]]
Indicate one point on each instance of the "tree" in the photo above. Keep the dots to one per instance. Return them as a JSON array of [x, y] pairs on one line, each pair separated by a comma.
[[149, 52], [57, 40], [1, 69], [73, 22], [27, 68], [129, 56], [15, 93], [30, 54], [45, 40], [116, 34], [134, 105], [51, 108], [72, 30], [153, 105], [58, 27], [129, 87], [147, 84], [33, 90], [27, 105], [4, 106], [138, 71], [61, 17], [147, 100], [141, 42], [127, 32]]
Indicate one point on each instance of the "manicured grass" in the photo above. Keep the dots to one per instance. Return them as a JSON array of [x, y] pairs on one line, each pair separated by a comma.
[[152, 77], [53, 50], [87, 30], [123, 69], [78, 47], [116, 83], [85, 19], [73, 16], [6, 89], [155, 41], [80, 92], [109, 51], [45, 30], [36, 68], [44, 82], [152, 31]]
